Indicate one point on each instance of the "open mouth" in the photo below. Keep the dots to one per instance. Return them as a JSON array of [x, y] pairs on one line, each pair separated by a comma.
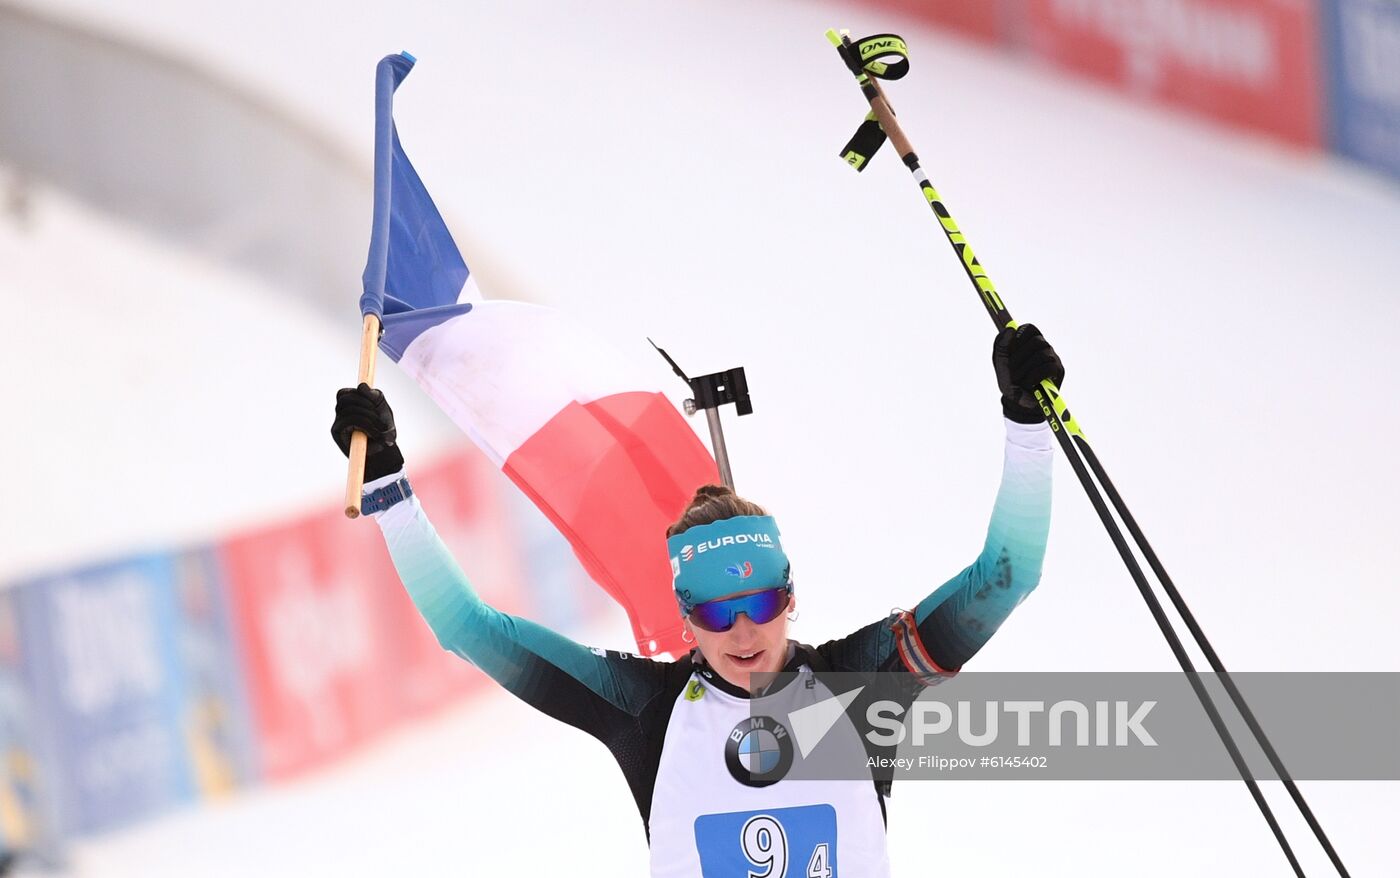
[[746, 660]]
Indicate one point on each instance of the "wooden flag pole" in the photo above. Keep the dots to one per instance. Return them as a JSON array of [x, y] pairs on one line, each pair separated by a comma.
[[359, 442]]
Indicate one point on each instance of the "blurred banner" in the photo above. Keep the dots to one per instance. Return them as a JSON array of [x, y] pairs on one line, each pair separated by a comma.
[[215, 726], [102, 657], [1313, 73], [137, 685], [309, 617], [1363, 46], [26, 807], [987, 20], [334, 649], [1251, 63]]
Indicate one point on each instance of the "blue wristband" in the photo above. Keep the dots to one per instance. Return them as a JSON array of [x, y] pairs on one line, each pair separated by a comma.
[[381, 499]]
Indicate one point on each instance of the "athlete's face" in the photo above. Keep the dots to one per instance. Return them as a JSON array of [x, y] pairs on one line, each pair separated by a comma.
[[746, 648]]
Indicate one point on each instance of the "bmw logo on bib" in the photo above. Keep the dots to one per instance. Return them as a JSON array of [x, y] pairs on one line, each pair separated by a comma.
[[758, 751]]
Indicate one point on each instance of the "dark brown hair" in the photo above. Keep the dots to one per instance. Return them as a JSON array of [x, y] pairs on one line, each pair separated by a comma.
[[713, 503]]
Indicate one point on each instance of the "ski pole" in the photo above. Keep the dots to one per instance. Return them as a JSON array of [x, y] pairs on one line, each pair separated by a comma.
[[867, 61]]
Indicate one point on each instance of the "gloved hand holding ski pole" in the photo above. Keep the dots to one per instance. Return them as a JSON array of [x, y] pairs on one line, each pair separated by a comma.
[[1023, 359], [886, 56]]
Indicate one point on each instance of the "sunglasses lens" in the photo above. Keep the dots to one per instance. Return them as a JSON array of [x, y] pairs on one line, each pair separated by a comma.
[[766, 605], [761, 607], [713, 616]]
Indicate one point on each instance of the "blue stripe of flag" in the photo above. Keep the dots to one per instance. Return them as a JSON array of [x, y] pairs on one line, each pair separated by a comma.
[[414, 272]]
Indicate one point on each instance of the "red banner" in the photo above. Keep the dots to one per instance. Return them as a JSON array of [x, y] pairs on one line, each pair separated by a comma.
[[309, 599], [982, 19], [1248, 62], [333, 647]]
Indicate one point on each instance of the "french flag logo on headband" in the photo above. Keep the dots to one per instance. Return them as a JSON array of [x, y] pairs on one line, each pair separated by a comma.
[[743, 572]]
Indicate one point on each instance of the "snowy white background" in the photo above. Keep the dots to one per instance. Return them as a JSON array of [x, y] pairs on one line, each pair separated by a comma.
[[1225, 307]]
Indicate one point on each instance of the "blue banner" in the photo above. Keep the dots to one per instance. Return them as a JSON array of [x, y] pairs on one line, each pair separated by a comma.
[[215, 719], [26, 814], [101, 656], [1363, 48]]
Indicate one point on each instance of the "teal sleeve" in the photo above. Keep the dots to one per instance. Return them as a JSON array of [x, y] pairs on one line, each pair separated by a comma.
[[959, 617], [950, 625], [533, 662]]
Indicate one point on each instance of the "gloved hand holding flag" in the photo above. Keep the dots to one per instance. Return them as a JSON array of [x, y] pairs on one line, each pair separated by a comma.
[[609, 461]]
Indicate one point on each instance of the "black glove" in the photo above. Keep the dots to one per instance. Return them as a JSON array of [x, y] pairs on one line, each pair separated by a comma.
[[1022, 359], [365, 409]]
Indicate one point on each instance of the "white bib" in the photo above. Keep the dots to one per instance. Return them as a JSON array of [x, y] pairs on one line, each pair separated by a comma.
[[705, 822]]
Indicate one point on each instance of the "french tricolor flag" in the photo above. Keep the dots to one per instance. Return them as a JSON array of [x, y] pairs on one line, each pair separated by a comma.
[[610, 462]]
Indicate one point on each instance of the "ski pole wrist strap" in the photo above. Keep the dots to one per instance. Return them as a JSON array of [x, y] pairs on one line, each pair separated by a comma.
[[883, 56]]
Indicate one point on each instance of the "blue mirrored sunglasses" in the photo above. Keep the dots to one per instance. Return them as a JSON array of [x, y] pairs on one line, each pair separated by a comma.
[[760, 607]]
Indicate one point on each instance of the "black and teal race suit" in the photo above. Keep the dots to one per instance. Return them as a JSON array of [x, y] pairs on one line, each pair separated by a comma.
[[670, 724]]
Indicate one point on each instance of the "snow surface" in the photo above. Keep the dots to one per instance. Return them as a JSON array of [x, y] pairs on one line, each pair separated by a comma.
[[1223, 305]]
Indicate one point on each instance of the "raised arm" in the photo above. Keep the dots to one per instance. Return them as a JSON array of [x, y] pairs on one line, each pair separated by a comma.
[[584, 687], [953, 622], [961, 615]]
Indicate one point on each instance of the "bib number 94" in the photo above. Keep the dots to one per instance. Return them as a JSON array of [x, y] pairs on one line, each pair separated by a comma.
[[781, 843]]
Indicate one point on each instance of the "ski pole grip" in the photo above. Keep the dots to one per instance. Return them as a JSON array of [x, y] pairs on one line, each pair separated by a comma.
[[882, 56], [885, 114]]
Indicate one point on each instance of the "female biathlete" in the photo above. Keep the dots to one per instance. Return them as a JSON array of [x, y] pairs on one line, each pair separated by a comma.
[[706, 774]]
